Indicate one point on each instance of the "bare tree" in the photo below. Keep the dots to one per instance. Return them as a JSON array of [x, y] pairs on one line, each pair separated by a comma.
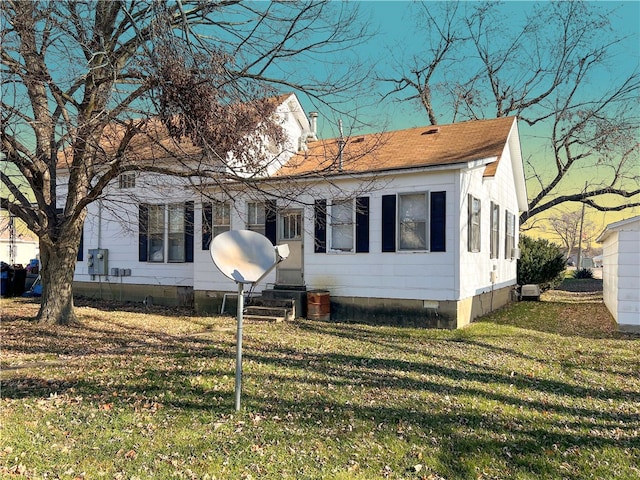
[[82, 82], [544, 72], [566, 225]]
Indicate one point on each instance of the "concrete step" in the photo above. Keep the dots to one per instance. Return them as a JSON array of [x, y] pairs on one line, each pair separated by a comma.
[[286, 312], [263, 318]]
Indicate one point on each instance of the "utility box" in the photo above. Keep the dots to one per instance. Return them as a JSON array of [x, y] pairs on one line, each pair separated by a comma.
[[98, 261], [530, 292]]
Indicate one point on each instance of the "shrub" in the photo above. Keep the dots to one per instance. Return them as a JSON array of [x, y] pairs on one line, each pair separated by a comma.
[[541, 262], [583, 273]]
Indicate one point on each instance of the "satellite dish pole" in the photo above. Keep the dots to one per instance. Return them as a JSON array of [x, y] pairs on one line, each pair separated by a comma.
[[239, 319], [244, 256]]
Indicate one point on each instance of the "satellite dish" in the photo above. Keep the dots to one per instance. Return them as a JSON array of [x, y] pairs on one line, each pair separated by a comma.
[[243, 256]]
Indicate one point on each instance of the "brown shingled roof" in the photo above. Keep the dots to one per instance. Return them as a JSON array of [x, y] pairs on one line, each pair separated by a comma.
[[415, 147], [152, 143]]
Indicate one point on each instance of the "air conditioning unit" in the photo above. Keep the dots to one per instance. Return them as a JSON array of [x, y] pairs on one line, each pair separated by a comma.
[[530, 292]]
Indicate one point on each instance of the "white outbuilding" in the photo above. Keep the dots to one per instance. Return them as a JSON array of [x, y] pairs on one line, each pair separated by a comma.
[[621, 271]]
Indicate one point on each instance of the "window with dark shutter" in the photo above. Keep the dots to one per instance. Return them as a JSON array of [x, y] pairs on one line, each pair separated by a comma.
[[320, 226], [438, 221], [362, 224], [388, 223], [270, 225], [188, 231], [143, 222], [207, 220]]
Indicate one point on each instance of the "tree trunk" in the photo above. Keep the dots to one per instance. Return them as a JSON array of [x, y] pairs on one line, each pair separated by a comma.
[[58, 266]]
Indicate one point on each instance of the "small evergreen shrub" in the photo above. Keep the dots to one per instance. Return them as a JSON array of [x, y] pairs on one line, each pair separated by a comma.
[[583, 273], [541, 262]]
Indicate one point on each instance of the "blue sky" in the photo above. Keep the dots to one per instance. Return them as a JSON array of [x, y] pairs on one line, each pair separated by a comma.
[[398, 37]]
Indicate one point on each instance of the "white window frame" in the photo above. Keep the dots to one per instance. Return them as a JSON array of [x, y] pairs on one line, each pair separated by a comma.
[[256, 216], [127, 180], [342, 225], [176, 233], [414, 222], [509, 234], [288, 229], [494, 240], [156, 240], [474, 239], [220, 218]]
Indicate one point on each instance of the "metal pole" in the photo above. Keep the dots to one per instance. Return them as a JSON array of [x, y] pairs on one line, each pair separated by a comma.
[[239, 345], [579, 262]]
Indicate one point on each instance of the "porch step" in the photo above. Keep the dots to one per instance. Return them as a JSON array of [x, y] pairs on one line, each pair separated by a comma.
[[263, 318], [268, 313]]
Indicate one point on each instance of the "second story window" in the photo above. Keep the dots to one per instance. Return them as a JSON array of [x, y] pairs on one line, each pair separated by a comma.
[[127, 180]]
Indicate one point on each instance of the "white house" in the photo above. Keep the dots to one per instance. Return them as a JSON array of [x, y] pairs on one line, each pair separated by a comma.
[[621, 271], [17, 244], [415, 226]]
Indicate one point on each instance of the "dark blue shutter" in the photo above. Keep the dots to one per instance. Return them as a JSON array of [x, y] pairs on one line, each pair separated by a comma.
[[388, 223], [143, 225], [188, 232], [207, 221], [270, 225], [438, 221], [362, 224], [81, 247], [320, 226]]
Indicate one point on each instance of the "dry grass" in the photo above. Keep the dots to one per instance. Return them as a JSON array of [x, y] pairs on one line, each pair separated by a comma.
[[539, 390]]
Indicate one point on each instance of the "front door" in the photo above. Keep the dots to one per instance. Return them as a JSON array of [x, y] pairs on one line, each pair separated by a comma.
[[290, 230]]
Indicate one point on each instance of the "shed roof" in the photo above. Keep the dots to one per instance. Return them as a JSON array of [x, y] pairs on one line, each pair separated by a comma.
[[632, 223]]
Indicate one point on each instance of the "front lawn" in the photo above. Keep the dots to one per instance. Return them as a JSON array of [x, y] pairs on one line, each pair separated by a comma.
[[150, 396]]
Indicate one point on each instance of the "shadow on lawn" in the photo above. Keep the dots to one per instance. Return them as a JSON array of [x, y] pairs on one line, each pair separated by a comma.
[[449, 421]]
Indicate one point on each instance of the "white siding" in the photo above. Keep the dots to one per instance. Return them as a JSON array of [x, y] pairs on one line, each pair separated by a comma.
[[610, 274], [476, 267], [621, 273], [112, 224], [628, 278], [397, 275]]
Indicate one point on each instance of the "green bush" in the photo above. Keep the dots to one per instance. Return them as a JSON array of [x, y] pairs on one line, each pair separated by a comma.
[[583, 273], [541, 262]]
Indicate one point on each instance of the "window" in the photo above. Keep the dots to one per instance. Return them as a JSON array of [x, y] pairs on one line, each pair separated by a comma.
[[155, 233], [127, 180], [291, 226], [256, 216], [176, 233], [341, 221], [509, 234], [495, 230], [221, 217], [473, 227], [412, 221], [166, 231], [419, 222]]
